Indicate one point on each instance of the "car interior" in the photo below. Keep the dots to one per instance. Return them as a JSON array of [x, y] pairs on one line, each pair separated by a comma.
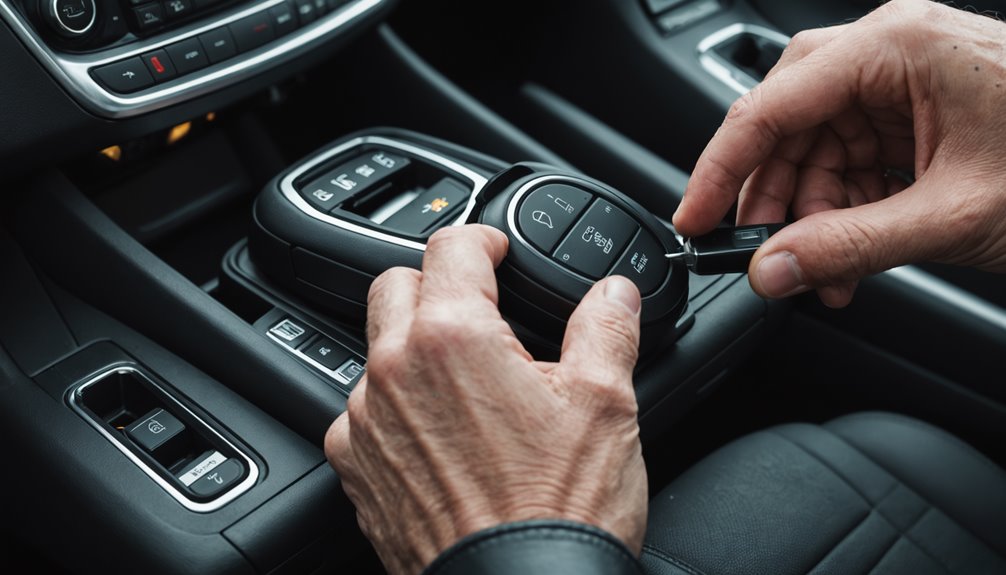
[[195, 196]]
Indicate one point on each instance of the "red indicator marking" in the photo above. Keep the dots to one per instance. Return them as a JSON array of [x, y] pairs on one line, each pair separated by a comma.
[[156, 62], [260, 27]]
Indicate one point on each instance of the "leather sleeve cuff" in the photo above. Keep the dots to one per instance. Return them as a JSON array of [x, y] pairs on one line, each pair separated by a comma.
[[532, 547]]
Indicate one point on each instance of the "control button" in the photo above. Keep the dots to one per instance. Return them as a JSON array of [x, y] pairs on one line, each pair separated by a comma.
[[333, 4], [599, 238], [306, 11], [159, 65], [188, 55], [291, 332], [377, 165], [548, 212], [155, 429], [350, 373], [125, 77], [320, 7], [221, 478], [644, 263], [253, 31], [148, 16], [72, 18], [325, 194], [430, 208], [352, 178], [175, 9], [219, 44], [205, 463], [200, 4], [326, 352], [285, 19]]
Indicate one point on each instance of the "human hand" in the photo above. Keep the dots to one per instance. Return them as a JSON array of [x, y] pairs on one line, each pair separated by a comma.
[[914, 86], [456, 428]]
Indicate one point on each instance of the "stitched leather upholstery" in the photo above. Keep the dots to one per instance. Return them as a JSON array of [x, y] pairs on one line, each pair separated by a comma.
[[867, 493]]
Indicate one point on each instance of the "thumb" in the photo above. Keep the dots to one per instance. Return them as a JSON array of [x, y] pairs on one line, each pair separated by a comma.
[[602, 336], [836, 248]]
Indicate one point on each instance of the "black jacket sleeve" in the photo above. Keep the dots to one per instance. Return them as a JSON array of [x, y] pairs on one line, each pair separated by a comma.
[[537, 547]]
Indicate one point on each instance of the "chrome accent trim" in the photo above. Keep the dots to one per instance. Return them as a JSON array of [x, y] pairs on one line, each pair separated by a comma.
[[950, 294], [71, 70], [286, 186], [511, 221], [224, 499], [94, 15], [723, 70], [331, 374]]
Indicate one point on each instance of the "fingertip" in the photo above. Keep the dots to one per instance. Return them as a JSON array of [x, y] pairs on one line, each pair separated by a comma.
[[622, 291], [777, 275], [838, 296]]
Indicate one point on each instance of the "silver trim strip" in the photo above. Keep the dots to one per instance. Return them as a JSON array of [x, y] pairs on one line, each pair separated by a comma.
[[71, 70], [723, 70], [286, 186], [511, 220], [950, 294], [227, 497]]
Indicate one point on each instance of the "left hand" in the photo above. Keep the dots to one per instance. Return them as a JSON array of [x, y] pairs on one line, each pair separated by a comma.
[[456, 428]]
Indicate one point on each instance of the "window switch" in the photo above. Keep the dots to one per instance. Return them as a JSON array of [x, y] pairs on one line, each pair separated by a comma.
[[155, 429], [291, 333], [326, 352]]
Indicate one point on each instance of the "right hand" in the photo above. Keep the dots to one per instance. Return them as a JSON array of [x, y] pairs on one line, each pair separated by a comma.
[[914, 86]]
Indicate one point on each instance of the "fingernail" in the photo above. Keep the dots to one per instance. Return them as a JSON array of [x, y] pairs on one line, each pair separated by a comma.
[[624, 292], [779, 275]]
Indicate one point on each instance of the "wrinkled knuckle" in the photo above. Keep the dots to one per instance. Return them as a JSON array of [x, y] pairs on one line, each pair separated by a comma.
[[800, 44], [620, 332], [854, 247], [389, 278], [608, 393], [743, 107], [443, 328], [445, 237]]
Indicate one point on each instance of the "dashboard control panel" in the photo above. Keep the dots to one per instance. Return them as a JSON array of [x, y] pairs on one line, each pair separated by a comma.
[[121, 58]]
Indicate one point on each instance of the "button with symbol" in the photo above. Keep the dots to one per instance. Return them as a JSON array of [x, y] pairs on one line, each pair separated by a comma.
[[177, 8], [326, 352], [159, 65], [124, 77], [154, 429], [148, 16], [597, 240], [219, 479], [291, 332], [644, 263], [430, 209], [188, 55], [350, 373], [546, 213]]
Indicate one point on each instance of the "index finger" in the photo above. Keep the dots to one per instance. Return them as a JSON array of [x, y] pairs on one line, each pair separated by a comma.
[[802, 96], [459, 264]]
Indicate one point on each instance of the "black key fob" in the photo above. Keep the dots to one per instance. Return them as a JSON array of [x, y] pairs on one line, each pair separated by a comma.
[[567, 232]]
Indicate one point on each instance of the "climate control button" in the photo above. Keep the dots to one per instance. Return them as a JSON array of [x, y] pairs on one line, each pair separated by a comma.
[[72, 18]]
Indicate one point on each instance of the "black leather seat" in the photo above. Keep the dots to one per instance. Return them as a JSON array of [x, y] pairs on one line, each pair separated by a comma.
[[867, 493]]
